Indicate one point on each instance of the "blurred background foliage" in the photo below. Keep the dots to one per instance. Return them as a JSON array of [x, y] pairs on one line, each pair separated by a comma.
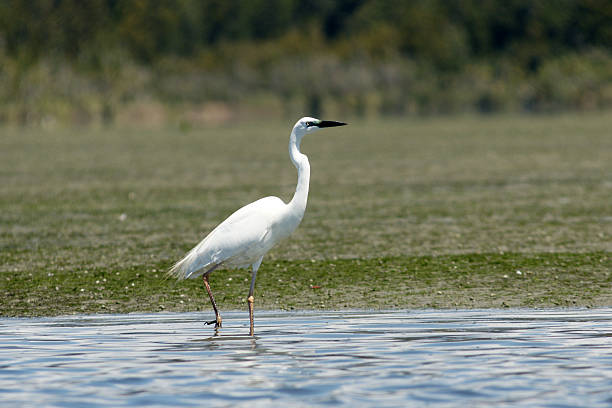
[[194, 62]]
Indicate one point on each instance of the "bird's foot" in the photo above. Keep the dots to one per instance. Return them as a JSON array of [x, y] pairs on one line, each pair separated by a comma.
[[217, 323]]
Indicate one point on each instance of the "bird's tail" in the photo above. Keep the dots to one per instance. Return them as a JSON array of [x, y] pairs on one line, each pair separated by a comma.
[[183, 269]]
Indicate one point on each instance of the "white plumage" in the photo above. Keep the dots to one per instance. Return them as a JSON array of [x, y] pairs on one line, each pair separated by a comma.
[[239, 241], [248, 234]]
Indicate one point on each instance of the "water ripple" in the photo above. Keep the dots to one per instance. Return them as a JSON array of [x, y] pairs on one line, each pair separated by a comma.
[[547, 358]]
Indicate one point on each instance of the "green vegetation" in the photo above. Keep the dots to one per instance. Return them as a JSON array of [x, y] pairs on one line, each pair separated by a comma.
[[402, 213], [194, 62], [446, 281]]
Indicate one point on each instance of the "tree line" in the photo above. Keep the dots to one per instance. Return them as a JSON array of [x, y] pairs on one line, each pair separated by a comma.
[[382, 56]]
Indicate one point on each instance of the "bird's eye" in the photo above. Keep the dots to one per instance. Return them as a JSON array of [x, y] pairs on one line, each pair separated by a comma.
[[309, 124]]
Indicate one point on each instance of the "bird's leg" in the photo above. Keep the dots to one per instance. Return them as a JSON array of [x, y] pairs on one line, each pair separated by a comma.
[[217, 320], [251, 299]]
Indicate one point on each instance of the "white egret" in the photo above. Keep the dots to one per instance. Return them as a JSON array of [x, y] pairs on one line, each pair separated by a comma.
[[248, 234]]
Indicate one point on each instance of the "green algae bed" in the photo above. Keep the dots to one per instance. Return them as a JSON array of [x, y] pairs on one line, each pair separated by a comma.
[[431, 213]]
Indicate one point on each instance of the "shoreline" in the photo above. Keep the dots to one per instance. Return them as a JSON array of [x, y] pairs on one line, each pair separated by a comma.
[[467, 281]]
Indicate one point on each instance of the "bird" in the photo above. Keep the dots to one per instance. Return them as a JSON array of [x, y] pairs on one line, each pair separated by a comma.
[[243, 238]]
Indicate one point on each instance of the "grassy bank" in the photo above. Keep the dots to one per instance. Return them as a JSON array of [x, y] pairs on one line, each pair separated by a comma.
[[447, 281], [412, 213]]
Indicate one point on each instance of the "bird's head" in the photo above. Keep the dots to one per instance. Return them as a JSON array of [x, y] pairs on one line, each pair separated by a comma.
[[308, 125]]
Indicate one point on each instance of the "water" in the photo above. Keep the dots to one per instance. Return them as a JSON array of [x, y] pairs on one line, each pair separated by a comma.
[[550, 358]]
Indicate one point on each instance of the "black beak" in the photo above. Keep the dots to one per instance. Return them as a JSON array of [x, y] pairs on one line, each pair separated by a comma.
[[329, 123]]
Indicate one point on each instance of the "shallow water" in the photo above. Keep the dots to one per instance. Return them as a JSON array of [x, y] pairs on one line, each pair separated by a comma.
[[419, 358]]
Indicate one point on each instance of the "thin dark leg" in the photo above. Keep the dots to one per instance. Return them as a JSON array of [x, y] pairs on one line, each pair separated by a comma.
[[250, 300], [218, 319]]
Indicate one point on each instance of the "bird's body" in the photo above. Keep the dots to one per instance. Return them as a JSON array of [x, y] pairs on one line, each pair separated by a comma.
[[262, 224], [248, 234]]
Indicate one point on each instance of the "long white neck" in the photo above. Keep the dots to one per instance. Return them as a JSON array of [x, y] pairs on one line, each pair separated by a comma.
[[297, 204]]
